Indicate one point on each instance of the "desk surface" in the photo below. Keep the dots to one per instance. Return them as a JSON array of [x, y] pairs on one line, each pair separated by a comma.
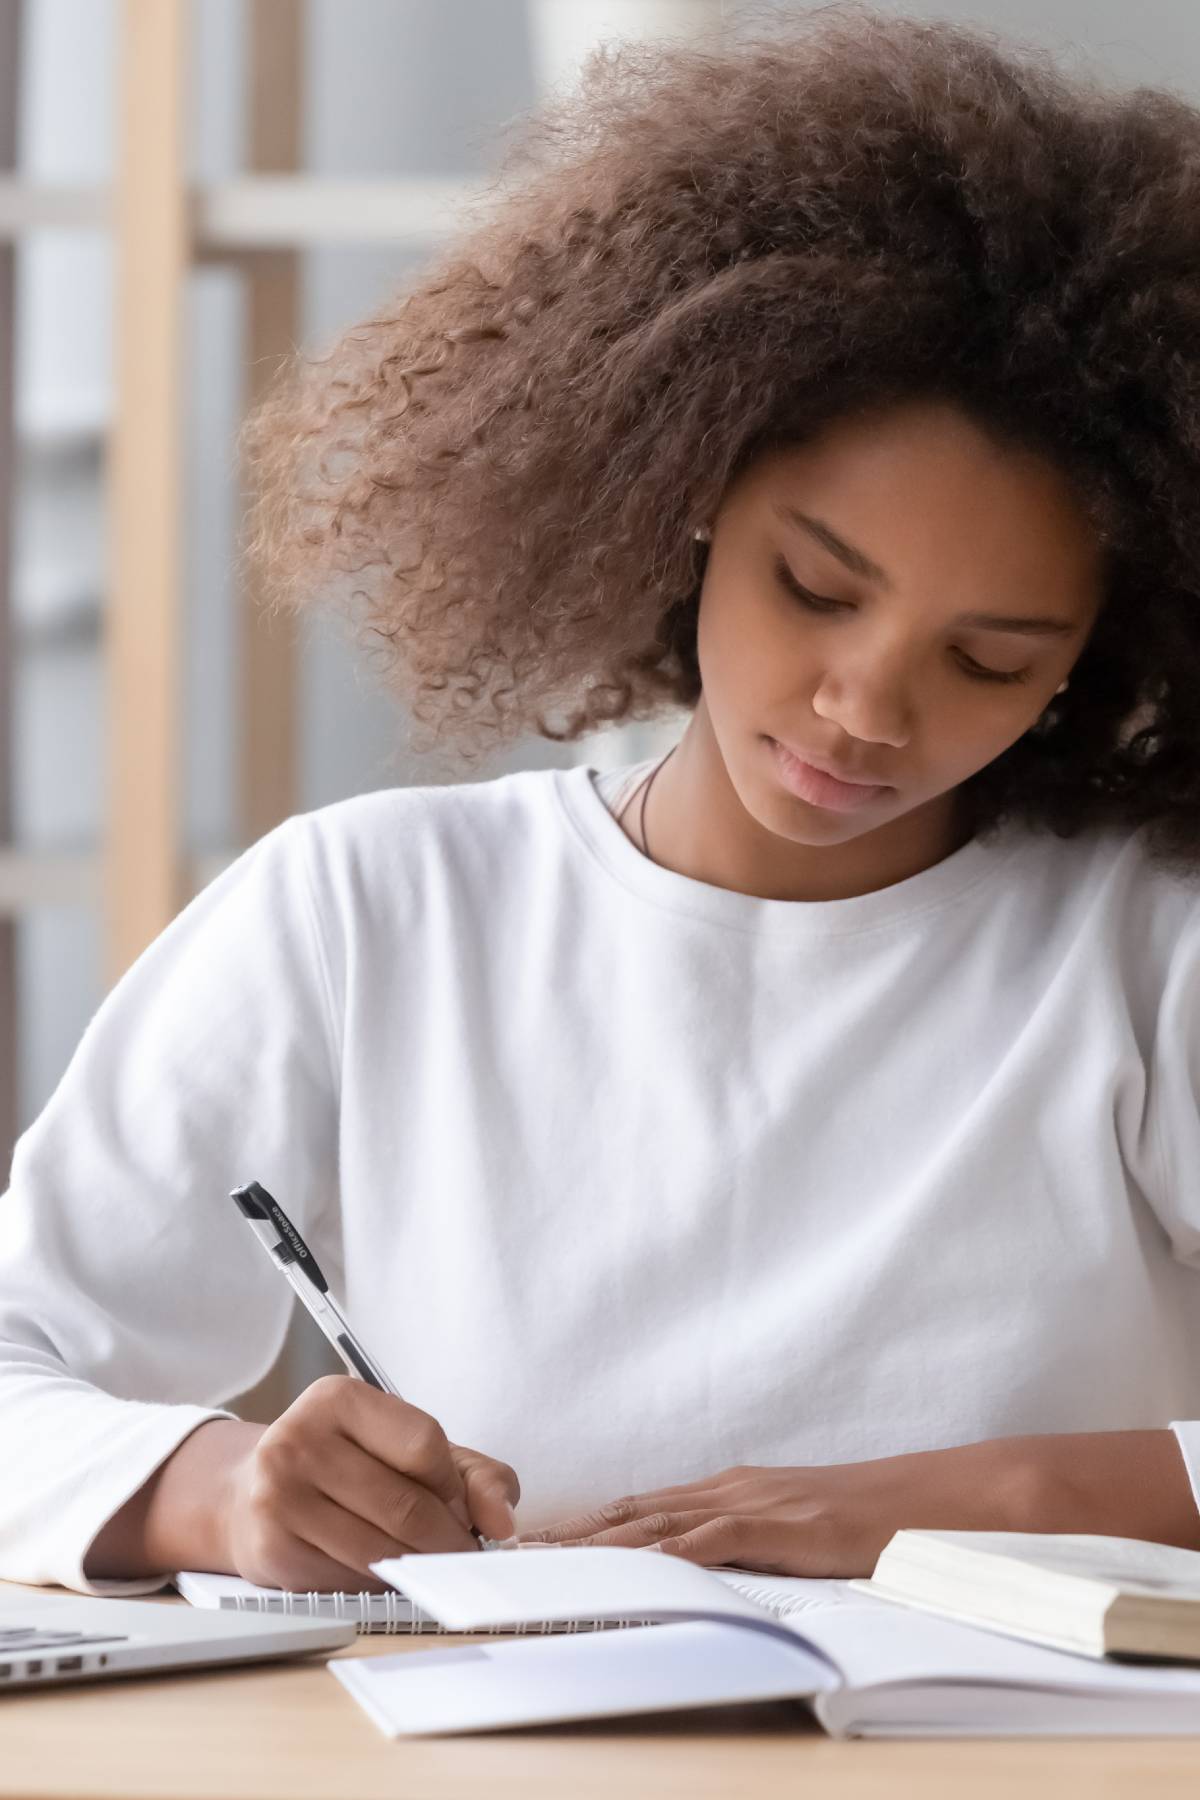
[[288, 1731]]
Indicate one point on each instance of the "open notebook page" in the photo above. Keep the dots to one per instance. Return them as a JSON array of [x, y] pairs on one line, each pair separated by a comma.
[[468, 1592]]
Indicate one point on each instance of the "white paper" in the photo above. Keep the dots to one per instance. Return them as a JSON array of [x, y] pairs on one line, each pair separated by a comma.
[[539, 1681], [468, 1592], [878, 1643]]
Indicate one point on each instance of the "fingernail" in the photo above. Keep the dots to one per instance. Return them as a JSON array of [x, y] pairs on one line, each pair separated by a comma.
[[508, 1543]]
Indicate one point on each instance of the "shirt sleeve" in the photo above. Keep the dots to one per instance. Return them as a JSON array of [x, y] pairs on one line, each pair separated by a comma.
[[134, 1302], [1173, 1132], [1187, 1436]]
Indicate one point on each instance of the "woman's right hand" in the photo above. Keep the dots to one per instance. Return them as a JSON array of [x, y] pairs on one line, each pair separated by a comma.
[[348, 1475]]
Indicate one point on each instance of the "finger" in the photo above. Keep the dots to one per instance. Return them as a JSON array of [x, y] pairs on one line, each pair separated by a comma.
[[403, 1438], [308, 1570], [345, 1540], [608, 1517], [721, 1542], [675, 1498], [410, 1516], [492, 1492], [642, 1534]]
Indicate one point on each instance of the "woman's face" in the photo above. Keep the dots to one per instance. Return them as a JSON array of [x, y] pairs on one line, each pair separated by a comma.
[[833, 616]]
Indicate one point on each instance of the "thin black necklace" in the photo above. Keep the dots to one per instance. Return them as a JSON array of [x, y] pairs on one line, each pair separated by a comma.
[[646, 796]]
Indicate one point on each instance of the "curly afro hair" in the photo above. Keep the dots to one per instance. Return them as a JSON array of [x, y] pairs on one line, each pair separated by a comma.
[[712, 251]]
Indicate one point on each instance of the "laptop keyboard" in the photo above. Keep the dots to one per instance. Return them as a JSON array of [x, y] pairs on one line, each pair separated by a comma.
[[16, 1637]]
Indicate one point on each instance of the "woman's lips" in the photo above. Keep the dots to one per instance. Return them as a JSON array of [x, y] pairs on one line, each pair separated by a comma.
[[818, 788]]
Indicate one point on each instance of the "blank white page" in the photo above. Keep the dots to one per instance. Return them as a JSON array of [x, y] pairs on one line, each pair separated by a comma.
[[467, 1591], [537, 1681]]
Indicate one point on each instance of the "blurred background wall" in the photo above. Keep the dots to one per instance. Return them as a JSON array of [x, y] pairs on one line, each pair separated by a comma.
[[389, 88], [400, 90]]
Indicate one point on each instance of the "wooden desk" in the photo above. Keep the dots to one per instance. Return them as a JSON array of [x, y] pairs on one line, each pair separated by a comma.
[[288, 1731]]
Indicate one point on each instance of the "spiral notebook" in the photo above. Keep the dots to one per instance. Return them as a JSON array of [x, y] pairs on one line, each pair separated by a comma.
[[390, 1613]]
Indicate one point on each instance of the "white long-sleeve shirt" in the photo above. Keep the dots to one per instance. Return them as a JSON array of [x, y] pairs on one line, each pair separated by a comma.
[[624, 1177]]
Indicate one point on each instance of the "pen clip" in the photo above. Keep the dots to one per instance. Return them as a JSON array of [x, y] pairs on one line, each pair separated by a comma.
[[254, 1202]]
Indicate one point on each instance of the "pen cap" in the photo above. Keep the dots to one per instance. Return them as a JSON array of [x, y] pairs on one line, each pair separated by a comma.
[[254, 1202]]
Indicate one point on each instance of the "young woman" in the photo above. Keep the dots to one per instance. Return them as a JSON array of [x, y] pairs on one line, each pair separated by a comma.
[[719, 1153]]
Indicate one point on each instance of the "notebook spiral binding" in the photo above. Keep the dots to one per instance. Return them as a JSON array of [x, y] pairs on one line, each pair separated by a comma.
[[781, 1603], [363, 1609]]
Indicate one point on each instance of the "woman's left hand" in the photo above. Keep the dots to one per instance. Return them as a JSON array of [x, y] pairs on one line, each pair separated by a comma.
[[828, 1520]]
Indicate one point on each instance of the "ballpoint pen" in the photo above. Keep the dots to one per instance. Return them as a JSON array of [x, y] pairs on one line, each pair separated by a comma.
[[293, 1258]]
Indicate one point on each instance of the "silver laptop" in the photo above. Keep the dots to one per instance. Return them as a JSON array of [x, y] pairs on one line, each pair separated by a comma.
[[50, 1638]]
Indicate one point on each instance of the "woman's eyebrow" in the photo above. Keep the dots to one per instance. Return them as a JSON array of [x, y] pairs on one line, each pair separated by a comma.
[[859, 563]]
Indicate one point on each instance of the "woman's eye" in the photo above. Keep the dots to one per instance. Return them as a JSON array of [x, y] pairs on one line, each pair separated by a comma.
[[815, 603]]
